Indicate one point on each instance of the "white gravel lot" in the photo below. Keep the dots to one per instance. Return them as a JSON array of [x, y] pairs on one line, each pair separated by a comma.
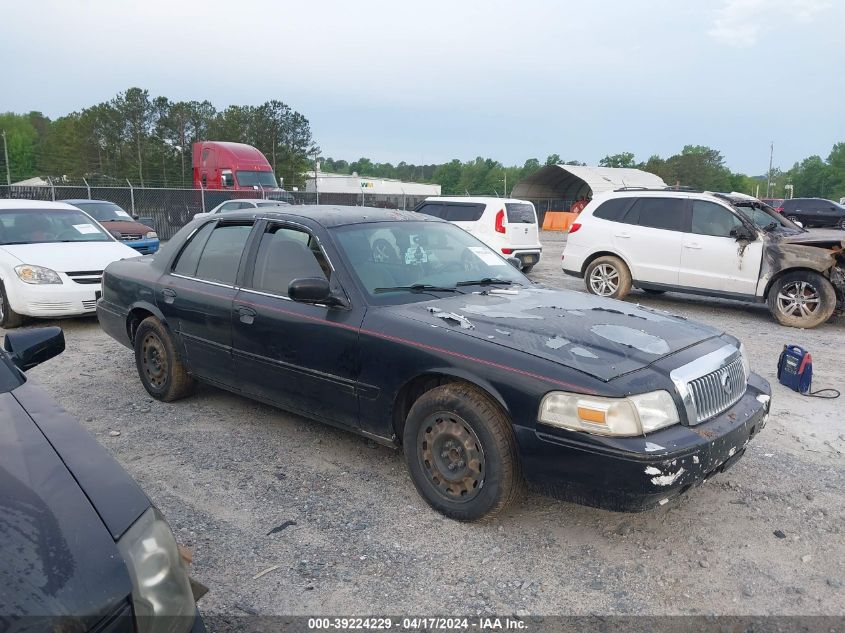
[[226, 471]]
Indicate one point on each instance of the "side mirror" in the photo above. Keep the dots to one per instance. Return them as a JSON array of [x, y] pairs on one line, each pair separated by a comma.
[[311, 290], [29, 348], [515, 262], [743, 233], [116, 235]]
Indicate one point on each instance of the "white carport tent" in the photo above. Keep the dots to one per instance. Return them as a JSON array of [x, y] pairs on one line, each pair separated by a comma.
[[567, 183]]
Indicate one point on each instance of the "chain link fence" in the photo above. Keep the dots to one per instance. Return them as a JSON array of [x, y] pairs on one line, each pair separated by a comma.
[[167, 210]]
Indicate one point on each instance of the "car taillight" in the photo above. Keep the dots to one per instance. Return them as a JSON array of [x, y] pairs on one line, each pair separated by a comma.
[[779, 209], [574, 227], [500, 221], [507, 251]]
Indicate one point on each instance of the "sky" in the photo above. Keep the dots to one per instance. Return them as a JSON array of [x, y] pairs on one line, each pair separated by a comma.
[[428, 81]]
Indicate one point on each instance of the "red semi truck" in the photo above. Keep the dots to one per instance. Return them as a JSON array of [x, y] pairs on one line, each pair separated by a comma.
[[231, 166]]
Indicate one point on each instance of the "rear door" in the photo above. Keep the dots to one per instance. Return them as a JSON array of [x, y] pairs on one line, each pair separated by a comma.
[[649, 238], [196, 297], [712, 259], [522, 225]]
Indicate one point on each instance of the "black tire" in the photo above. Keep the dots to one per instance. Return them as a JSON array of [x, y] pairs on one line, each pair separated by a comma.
[[652, 291], [608, 276], [461, 453], [9, 319], [527, 269], [160, 367], [802, 299], [841, 224]]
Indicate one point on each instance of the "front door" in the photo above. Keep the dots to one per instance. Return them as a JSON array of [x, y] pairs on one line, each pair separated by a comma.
[[301, 356], [712, 259], [196, 297]]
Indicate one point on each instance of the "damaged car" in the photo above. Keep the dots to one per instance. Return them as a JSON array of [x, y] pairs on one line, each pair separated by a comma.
[[720, 245], [485, 379]]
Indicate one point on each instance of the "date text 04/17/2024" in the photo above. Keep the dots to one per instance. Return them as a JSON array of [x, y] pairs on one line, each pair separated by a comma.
[[417, 623]]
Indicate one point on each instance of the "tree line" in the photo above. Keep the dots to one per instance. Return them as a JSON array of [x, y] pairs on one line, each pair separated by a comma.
[[148, 140]]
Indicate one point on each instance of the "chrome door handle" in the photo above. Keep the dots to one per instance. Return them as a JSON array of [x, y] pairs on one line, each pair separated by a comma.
[[624, 236], [247, 315], [169, 295], [696, 247]]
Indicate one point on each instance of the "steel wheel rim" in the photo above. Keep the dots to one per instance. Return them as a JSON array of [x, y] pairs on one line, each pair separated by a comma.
[[451, 457], [799, 298], [154, 360], [604, 280]]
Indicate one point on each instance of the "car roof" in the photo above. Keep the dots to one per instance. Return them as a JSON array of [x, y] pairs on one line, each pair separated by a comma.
[[485, 199], [87, 201], [334, 215], [17, 204]]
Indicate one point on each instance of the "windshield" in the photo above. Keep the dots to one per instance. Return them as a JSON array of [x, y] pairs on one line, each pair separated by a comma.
[[763, 215], [38, 226], [104, 211], [397, 262], [256, 178]]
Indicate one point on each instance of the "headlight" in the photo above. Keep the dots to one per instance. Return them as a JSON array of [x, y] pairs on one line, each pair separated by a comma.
[[160, 584], [37, 275], [634, 415], [151, 235]]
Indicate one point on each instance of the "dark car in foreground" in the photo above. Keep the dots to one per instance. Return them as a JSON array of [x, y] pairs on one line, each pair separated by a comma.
[[483, 377], [127, 229], [814, 212], [83, 549]]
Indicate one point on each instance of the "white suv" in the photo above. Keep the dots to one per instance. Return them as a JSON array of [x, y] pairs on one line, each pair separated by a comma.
[[720, 245], [506, 225]]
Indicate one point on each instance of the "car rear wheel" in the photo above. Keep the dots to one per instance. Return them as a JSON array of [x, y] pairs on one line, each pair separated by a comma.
[[461, 453], [802, 299], [8, 318], [162, 371], [608, 276], [841, 224]]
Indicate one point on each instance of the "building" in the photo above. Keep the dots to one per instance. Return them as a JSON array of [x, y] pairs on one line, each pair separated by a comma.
[[557, 187], [358, 190]]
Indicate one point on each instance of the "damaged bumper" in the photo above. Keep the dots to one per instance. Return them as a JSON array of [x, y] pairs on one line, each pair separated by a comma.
[[636, 473]]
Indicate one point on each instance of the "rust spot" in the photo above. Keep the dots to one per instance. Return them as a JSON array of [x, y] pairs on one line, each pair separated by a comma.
[[705, 433]]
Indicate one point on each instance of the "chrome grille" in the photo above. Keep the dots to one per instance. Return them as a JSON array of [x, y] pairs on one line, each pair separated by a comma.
[[130, 237], [86, 276], [717, 391], [711, 384], [89, 305]]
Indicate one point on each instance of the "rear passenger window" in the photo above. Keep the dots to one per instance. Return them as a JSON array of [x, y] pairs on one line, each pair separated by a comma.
[[222, 253], [709, 218], [464, 212], [433, 208], [190, 255], [658, 213], [520, 213], [613, 209]]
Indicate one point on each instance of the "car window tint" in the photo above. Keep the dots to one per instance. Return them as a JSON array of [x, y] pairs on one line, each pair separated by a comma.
[[612, 209], [659, 213], [285, 254], [222, 253], [464, 212], [186, 264], [709, 218], [433, 208], [520, 213]]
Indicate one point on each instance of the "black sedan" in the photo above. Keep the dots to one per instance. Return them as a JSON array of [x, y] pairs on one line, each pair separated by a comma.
[[83, 549], [410, 331]]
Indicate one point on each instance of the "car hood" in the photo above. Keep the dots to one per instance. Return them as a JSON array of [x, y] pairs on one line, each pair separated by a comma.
[[129, 227], [600, 337], [70, 256], [824, 238], [59, 559]]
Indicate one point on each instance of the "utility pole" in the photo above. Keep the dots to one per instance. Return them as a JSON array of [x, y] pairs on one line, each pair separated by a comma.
[[769, 178], [6, 154]]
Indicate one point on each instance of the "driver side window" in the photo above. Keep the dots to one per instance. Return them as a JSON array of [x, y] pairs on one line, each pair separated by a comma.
[[709, 218], [285, 254]]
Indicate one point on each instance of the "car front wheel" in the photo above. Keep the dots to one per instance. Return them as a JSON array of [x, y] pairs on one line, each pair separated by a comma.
[[461, 452], [162, 371], [841, 224], [608, 276], [802, 299], [8, 318]]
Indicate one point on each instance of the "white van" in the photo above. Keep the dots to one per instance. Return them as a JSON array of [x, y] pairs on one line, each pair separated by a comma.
[[506, 225]]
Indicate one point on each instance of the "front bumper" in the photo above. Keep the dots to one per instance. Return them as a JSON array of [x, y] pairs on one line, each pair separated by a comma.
[[55, 300], [145, 246], [635, 473]]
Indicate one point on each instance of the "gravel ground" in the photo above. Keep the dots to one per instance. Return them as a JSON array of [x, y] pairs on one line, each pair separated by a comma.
[[250, 488]]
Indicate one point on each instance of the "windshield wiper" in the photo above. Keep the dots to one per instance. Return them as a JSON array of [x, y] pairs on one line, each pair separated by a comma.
[[486, 281], [416, 288]]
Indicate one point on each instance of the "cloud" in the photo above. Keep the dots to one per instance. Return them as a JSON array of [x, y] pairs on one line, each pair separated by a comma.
[[741, 22]]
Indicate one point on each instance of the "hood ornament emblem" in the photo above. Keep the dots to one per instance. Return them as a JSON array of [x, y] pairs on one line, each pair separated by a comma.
[[726, 383]]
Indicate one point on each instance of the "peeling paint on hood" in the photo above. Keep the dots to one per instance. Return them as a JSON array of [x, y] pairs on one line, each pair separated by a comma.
[[558, 326]]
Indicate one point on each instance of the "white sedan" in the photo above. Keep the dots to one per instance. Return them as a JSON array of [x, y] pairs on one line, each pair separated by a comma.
[[241, 203], [52, 257]]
